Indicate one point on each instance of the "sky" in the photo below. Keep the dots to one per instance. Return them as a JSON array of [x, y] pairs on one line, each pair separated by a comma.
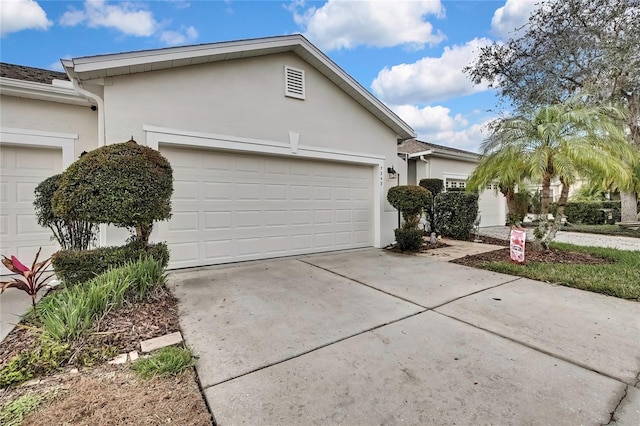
[[409, 54]]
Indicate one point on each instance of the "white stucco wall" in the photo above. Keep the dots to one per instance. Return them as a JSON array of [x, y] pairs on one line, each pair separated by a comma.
[[29, 114], [245, 98]]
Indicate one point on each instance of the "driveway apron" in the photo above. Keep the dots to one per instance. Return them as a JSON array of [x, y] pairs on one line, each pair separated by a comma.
[[371, 337]]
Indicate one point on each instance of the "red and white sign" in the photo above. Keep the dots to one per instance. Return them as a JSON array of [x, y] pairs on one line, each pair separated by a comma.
[[517, 240]]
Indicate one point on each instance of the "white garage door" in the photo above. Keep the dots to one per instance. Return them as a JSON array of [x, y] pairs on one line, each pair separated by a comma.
[[21, 170], [231, 207], [492, 208]]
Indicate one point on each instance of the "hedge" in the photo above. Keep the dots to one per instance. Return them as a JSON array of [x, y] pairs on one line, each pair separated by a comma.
[[590, 213], [74, 267], [434, 186], [455, 213]]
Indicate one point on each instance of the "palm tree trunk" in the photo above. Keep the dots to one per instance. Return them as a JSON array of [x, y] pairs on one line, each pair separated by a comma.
[[546, 194], [562, 201]]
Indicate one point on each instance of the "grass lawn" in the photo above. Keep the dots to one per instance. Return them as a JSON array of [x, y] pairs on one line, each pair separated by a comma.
[[603, 229], [621, 278]]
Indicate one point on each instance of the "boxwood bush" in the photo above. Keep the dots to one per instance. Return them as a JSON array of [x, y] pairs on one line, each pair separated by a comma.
[[408, 237], [124, 184], [411, 200], [455, 213], [75, 267]]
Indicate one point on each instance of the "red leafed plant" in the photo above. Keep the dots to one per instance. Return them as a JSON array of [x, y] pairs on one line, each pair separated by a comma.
[[30, 280]]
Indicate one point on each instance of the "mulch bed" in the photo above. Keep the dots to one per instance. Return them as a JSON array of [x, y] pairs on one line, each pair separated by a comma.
[[112, 394], [426, 246], [548, 256], [122, 328]]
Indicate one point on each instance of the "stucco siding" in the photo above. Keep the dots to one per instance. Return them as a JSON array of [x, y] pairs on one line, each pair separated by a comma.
[[30, 114]]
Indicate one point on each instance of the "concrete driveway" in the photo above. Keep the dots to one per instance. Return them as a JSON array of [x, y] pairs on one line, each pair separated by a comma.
[[371, 337]]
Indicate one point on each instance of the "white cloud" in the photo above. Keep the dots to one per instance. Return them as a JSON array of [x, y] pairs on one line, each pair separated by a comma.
[[340, 24], [172, 38], [430, 79], [435, 124], [513, 15], [125, 17], [18, 15]]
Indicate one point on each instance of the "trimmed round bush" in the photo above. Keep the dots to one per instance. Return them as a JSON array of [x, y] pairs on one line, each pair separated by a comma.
[[125, 184], [411, 200]]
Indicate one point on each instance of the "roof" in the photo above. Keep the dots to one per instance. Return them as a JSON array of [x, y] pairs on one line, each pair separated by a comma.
[[416, 148], [36, 75], [94, 68]]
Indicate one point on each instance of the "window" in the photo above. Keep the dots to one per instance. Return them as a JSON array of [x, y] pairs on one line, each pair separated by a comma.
[[294, 82], [455, 184]]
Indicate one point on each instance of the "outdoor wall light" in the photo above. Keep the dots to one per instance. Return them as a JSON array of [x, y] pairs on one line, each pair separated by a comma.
[[392, 172]]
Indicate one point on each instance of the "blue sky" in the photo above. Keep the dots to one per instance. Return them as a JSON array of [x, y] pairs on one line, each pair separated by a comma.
[[408, 53]]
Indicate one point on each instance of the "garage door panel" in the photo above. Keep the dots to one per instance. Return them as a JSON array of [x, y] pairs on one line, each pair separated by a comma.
[[22, 169], [240, 207]]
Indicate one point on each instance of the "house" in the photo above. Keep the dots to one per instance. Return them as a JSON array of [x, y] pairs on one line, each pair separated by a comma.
[[453, 166], [276, 150]]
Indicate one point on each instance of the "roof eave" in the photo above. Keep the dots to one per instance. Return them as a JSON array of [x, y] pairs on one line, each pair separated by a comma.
[[41, 91], [96, 67]]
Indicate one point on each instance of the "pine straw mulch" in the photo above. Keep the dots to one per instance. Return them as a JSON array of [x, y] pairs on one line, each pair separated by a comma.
[[112, 394], [548, 256]]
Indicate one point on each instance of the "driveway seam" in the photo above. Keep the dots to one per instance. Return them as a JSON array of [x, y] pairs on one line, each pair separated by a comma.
[[536, 348], [365, 284], [477, 291], [316, 348]]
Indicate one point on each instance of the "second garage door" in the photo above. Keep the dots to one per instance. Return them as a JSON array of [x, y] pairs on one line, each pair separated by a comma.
[[231, 207], [21, 170]]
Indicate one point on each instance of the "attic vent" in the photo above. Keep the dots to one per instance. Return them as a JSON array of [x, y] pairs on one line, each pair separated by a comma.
[[293, 82]]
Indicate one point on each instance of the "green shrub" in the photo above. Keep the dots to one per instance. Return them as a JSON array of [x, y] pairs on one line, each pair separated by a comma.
[[455, 213], [169, 361], [434, 186], [48, 357], [74, 267], [125, 184], [408, 237], [411, 201], [590, 212], [13, 413], [71, 312], [70, 234]]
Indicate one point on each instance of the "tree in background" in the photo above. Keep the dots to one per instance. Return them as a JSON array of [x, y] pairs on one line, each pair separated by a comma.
[[125, 184], [560, 141], [569, 47]]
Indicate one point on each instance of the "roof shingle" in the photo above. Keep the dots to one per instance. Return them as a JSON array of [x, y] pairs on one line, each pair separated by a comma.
[[37, 75], [413, 146]]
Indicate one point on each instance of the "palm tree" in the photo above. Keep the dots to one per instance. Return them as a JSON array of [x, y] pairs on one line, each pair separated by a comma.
[[564, 141], [508, 176]]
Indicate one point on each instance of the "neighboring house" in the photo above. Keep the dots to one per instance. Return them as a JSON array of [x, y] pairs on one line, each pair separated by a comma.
[[453, 166], [275, 149]]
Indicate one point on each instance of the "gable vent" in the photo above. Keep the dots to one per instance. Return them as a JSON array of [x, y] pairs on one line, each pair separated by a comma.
[[293, 82]]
